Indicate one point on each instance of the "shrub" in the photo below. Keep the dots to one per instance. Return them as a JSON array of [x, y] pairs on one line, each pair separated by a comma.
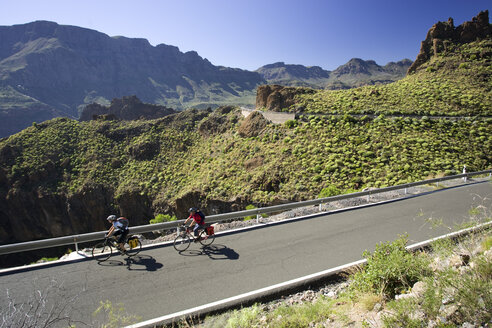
[[244, 318], [329, 192], [163, 218], [390, 269], [290, 123]]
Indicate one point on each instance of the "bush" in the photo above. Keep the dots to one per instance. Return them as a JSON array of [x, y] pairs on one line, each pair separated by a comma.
[[244, 318], [329, 192], [163, 218], [390, 269], [290, 123]]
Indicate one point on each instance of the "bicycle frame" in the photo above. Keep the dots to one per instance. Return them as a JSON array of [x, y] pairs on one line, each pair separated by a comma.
[[189, 231]]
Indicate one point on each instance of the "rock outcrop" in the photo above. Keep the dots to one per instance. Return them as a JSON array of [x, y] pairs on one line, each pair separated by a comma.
[[126, 108], [277, 97], [252, 125], [219, 121], [442, 33]]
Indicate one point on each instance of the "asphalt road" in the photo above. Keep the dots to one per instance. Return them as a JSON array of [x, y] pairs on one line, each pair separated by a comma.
[[162, 281]]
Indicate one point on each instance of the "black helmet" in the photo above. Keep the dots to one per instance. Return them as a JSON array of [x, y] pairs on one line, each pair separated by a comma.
[[111, 217], [192, 209]]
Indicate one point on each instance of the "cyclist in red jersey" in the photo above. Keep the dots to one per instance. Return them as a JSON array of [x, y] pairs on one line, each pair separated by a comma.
[[196, 218]]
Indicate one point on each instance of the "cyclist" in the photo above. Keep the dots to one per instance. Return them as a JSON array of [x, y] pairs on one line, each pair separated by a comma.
[[198, 218], [119, 227]]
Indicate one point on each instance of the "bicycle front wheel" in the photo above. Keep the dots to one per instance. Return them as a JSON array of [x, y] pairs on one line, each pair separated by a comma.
[[182, 242], [205, 239], [137, 247], [102, 251]]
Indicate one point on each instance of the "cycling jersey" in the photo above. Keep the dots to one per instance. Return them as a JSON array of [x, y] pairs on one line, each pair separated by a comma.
[[197, 218], [120, 224]]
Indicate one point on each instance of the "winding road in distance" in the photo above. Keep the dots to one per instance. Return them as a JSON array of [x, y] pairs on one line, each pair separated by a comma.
[[163, 281]]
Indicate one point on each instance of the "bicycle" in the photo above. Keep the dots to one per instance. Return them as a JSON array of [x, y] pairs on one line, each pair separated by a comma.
[[103, 250], [183, 240]]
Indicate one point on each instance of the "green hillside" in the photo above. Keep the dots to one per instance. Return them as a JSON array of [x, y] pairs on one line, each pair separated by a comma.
[[454, 83], [292, 161]]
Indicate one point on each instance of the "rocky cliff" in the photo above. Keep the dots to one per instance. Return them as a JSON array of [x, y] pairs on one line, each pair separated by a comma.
[[277, 97], [442, 34]]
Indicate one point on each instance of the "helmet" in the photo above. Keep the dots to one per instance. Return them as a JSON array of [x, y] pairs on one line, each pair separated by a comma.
[[111, 217], [192, 209]]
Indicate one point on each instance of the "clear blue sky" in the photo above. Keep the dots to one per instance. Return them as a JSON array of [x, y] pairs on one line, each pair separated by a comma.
[[248, 34]]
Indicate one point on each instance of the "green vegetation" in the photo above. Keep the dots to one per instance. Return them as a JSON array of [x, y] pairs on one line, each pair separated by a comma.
[[455, 83], [162, 218], [391, 269], [46, 259], [341, 153], [114, 316]]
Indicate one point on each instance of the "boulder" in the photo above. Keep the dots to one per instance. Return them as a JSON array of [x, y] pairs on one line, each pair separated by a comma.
[[252, 125]]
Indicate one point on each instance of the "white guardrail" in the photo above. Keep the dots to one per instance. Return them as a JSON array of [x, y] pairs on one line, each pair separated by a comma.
[[93, 236]]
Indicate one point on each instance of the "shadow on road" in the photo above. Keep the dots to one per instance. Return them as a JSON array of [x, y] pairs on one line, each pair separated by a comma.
[[137, 263], [215, 252]]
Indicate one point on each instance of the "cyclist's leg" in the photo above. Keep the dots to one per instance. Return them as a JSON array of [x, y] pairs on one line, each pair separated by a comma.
[[196, 232], [122, 234]]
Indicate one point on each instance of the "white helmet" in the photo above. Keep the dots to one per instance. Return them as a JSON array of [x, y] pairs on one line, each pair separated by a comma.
[[111, 217]]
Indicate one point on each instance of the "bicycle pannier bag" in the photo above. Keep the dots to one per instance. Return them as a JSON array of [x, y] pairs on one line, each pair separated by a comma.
[[133, 242]]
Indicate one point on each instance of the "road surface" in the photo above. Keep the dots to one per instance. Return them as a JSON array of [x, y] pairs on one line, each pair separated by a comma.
[[162, 281]]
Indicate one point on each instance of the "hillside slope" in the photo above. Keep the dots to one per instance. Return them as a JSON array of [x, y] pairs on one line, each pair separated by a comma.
[[451, 79]]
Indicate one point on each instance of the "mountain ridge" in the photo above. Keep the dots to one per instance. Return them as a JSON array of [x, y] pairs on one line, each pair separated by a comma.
[[356, 72]]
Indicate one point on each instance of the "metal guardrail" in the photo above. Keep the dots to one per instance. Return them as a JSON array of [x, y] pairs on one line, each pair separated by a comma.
[[93, 236]]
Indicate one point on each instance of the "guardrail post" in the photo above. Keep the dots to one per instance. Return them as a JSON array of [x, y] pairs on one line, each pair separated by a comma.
[[319, 207], [76, 245], [464, 172], [406, 190], [258, 218]]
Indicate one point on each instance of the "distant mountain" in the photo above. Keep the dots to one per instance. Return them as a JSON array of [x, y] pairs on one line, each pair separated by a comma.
[[356, 72], [294, 75], [49, 70]]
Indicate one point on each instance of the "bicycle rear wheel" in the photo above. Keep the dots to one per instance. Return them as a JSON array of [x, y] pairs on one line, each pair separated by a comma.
[[205, 239], [182, 242], [102, 251], [132, 251]]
